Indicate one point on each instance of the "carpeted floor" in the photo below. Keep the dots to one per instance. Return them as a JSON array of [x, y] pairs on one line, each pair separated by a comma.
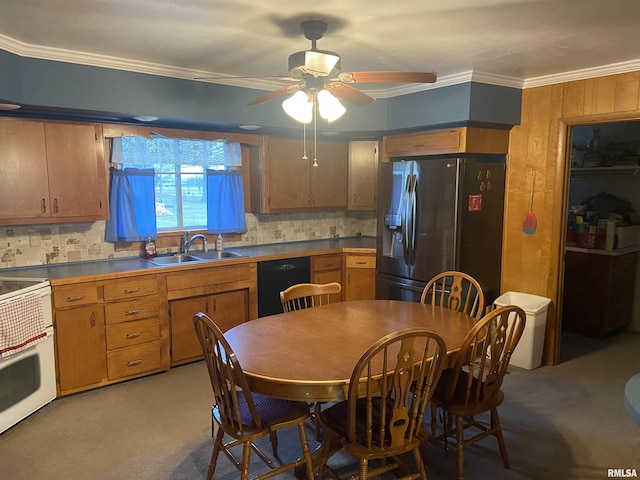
[[562, 422]]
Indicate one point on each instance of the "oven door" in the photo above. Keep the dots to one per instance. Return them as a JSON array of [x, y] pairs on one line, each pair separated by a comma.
[[27, 382]]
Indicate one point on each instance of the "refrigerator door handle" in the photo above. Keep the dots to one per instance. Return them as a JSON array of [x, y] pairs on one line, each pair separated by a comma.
[[409, 226]]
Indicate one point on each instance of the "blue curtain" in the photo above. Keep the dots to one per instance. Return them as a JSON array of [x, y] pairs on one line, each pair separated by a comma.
[[132, 206], [225, 202]]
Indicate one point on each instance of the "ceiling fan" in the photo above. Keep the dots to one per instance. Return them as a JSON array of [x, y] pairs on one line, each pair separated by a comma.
[[315, 70]]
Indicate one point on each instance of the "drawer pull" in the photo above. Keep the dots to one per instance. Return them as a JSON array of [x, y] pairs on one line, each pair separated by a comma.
[[134, 363], [419, 145], [132, 312], [361, 262], [75, 299], [133, 335], [131, 290]]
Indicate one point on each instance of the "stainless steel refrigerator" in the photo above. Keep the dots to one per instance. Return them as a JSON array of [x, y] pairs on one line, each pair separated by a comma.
[[438, 214]]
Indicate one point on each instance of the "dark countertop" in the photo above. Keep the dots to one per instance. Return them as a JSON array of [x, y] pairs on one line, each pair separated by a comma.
[[100, 269]]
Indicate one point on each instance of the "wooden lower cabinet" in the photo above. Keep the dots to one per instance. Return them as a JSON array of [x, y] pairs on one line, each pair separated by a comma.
[[226, 309], [137, 335], [80, 347], [598, 292], [360, 277], [109, 331], [327, 269]]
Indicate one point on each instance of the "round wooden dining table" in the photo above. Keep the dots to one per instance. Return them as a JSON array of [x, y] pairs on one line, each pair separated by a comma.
[[308, 355]]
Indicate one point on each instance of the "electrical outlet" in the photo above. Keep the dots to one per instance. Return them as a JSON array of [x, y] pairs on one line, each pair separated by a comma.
[[277, 234], [34, 239]]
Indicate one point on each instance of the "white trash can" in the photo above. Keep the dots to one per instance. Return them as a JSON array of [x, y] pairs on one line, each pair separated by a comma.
[[528, 352]]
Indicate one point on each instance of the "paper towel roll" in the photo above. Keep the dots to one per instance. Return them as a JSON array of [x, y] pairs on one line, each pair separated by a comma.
[[610, 235]]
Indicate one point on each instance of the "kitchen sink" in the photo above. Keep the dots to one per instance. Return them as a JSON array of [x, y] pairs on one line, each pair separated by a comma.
[[174, 259], [214, 255]]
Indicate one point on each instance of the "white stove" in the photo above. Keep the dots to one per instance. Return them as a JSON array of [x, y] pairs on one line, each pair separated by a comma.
[[27, 374]]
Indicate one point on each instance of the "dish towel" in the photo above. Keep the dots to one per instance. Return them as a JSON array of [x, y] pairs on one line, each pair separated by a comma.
[[21, 325]]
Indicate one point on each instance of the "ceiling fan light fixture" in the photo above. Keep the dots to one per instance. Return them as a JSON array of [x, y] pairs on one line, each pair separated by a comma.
[[329, 106], [320, 63], [298, 107]]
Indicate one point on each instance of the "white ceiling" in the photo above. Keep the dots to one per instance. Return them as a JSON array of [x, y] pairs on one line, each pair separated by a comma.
[[510, 42]]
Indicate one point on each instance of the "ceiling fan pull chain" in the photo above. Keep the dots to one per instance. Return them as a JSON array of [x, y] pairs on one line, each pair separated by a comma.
[[315, 130], [304, 141]]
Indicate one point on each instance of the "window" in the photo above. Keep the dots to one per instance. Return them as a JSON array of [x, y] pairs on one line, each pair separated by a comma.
[[190, 181]]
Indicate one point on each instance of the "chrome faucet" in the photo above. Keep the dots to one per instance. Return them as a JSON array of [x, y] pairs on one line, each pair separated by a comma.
[[185, 242]]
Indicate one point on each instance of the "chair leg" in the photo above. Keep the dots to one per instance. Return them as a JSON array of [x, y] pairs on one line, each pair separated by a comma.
[[306, 453], [273, 436], [364, 468], [330, 445], [417, 458], [246, 459], [495, 424], [460, 445], [316, 419], [217, 444]]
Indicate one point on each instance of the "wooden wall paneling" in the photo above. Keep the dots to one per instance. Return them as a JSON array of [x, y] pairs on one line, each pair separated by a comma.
[[528, 259], [534, 263], [556, 195], [627, 92], [573, 102], [604, 91]]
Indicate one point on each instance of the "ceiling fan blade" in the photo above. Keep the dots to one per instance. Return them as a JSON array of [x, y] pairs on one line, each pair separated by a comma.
[[388, 77], [283, 78], [276, 93], [348, 93]]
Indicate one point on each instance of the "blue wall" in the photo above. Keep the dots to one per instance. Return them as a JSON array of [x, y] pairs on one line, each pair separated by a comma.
[[105, 94]]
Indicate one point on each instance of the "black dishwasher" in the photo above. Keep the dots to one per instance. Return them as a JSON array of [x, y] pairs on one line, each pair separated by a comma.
[[275, 276]]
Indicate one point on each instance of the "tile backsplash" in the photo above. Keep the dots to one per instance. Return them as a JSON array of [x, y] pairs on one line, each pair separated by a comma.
[[22, 246]]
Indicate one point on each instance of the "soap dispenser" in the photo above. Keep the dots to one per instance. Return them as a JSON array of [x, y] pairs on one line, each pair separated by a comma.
[[219, 243]]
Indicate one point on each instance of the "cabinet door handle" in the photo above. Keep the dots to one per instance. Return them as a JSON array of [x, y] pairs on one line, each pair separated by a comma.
[[43, 206], [215, 305], [308, 199], [133, 335], [128, 291], [206, 306], [93, 319], [132, 312], [354, 198], [75, 299], [349, 279], [55, 205], [134, 363]]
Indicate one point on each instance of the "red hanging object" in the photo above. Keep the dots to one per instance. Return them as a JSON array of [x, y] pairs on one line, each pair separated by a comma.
[[530, 222]]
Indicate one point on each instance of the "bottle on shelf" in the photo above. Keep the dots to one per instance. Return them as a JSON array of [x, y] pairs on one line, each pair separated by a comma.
[[149, 248]]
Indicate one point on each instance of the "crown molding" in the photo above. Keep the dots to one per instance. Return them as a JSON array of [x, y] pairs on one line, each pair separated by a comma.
[[104, 61], [601, 71]]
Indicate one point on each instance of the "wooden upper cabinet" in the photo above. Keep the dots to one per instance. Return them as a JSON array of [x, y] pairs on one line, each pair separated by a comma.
[[293, 184], [455, 140], [23, 169], [77, 172], [363, 169], [51, 172], [288, 175], [329, 179]]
